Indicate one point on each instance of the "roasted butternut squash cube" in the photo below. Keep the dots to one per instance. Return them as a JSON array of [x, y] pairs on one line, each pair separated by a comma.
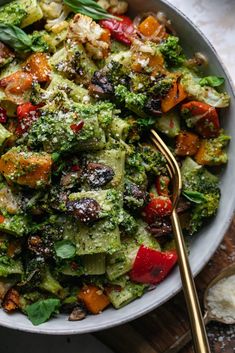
[[31, 169], [187, 144]]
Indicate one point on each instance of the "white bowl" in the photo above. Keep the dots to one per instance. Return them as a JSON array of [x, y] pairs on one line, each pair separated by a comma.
[[203, 244]]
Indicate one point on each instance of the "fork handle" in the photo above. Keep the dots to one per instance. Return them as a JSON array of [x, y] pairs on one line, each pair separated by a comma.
[[198, 331]]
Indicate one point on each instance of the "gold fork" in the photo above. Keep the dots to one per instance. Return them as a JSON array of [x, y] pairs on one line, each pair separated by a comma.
[[199, 335]]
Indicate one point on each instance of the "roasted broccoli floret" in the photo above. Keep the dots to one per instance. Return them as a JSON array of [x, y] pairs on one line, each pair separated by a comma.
[[153, 161], [172, 51], [144, 161], [161, 87], [9, 266], [12, 13], [128, 224], [41, 41], [135, 171], [204, 210], [199, 182], [135, 102], [198, 178], [117, 73]]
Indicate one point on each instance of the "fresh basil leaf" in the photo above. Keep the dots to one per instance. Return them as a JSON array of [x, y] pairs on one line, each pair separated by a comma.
[[212, 81], [89, 8], [65, 249], [146, 122], [15, 37], [194, 196], [42, 310]]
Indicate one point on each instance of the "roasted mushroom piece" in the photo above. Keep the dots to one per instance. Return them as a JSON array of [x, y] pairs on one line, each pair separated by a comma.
[[78, 313], [86, 209], [160, 228], [98, 175], [134, 196], [100, 86]]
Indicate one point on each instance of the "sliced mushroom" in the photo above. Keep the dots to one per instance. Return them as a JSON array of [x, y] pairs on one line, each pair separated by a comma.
[[98, 174], [161, 227], [183, 205], [77, 314], [86, 209], [100, 86], [70, 179]]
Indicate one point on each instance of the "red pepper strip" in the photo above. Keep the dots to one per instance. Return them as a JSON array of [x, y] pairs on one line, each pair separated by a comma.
[[120, 30], [152, 266], [2, 218], [77, 127], [162, 185], [206, 118], [160, 206], [75, 168], [27, 113], [3, 115]]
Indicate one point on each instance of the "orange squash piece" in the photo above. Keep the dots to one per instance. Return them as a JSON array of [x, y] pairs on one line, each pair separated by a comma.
[[26, 168], [17, 83], [37, 65], [175, 95], [149, 26], [187, 144], [93, 298], [11, 301]]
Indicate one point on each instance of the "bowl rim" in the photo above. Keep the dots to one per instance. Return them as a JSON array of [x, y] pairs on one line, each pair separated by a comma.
[[148, 308]]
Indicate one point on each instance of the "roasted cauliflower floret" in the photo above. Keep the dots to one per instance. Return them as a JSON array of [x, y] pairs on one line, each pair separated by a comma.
[[116, 7], [89, 33], [55, 12]]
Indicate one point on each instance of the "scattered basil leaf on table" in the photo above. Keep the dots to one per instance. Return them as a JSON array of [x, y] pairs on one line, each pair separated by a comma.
[[42, 310], [212, 81], [194, 196], [89, 8], [65, 249]]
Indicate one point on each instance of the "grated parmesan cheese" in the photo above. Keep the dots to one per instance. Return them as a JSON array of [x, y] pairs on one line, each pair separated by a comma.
[[221, 299]]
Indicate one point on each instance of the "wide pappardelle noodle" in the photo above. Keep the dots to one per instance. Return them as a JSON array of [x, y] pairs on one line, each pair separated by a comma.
[[85, 199]]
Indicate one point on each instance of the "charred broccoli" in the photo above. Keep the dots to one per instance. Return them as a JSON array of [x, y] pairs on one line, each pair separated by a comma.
[[172, 51], [201, 188]]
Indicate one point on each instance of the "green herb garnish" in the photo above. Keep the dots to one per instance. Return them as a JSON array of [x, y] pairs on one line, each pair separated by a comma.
[[42, 310], [212, 81], [65, 249], [89, 8], [194, 196]]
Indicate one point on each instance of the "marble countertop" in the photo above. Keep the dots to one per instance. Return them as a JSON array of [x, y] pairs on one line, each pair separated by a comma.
[[217, 20]]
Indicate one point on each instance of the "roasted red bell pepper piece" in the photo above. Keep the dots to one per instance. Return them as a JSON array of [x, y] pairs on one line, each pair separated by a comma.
[[3, 115], [162, 185], [27, 113], [2, 218], [152, 266], [77, 126], [160, 206], [206, 118], [120, 30]]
